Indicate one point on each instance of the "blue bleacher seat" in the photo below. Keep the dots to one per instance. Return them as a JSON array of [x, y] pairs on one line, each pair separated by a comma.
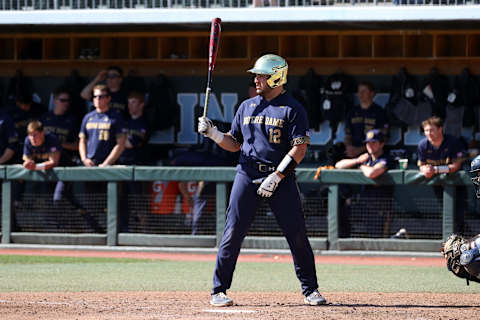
[[323, 136], [394, 136], [413, 136], [340, 134]]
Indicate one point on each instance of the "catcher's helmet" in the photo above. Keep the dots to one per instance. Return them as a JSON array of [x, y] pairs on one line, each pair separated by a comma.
[[274, 66], [475, 172]]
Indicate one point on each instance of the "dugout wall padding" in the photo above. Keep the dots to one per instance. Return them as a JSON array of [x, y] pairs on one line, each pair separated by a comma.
[[223, 175]]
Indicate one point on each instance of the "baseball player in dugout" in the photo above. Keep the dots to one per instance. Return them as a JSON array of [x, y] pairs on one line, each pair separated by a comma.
[[437, 152], [462, 255], [440, 153], [271, 132]]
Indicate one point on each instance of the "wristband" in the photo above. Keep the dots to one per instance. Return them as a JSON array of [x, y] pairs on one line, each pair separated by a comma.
[[40, 166], [287, 165], [216, 135], [442, 169]]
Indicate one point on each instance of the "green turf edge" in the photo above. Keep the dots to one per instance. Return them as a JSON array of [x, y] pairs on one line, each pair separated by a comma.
[[68, 274]]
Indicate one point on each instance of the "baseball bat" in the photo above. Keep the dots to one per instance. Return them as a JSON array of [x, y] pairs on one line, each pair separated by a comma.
[[215, 30]]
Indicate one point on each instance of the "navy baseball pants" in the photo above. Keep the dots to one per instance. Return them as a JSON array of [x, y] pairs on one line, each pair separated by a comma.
[[286, 206]]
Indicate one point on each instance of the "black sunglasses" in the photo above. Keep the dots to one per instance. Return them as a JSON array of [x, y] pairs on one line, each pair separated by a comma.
[[64, 100], [100, 96]]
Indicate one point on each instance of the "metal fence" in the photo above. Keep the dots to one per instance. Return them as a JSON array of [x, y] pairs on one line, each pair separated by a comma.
[[163, 4]]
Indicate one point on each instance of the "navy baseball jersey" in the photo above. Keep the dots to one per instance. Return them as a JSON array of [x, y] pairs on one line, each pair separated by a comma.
[[136, 135], [449, 151], [8, 134], [269, 128], [119, 102], [41, 153], [359, 121], [63, 126], [386, 160], [101, 131], [21, 118]]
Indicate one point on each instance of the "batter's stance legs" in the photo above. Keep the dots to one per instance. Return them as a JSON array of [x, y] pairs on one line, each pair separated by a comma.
[[240, 213]]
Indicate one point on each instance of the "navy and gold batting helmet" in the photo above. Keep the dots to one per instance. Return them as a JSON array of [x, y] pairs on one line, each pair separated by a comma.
[[274, 66]]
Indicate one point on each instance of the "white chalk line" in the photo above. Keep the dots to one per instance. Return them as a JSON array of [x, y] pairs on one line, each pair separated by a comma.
[[229, 311]]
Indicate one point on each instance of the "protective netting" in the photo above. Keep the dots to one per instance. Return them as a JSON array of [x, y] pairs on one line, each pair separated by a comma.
[[173, 216], [315, 213], [384, 217], [38, 213], [160, 207], [152, 208], [145, 216]]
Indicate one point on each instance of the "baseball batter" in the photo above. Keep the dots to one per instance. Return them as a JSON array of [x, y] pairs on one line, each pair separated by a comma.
[[271, 132]]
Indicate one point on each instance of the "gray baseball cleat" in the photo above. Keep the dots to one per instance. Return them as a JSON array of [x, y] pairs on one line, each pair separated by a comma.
[[314, 299], [220, 300]]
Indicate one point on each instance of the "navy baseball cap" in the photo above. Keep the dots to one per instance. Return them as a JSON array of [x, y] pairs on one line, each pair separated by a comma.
[[374, 135]]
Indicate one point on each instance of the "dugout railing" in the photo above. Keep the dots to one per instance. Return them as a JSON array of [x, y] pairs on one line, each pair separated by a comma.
[[329, 180]]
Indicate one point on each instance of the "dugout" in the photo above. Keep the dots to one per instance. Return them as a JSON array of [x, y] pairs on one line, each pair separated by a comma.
[[368, 42], [373, 52]]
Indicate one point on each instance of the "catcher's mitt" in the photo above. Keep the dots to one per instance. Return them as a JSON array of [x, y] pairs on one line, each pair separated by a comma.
[[452, 250]]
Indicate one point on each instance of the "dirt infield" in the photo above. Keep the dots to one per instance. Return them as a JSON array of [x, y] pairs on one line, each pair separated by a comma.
[[194, 305]]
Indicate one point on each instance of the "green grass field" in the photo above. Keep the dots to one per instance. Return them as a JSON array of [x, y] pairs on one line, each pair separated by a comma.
[[62, 274]]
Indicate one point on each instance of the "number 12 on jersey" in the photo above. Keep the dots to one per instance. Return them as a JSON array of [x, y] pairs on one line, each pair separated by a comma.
[[274, 135]]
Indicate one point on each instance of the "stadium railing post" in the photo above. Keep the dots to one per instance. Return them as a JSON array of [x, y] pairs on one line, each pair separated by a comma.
[[112, 213], [221, 205], [6, 210], [333, 213], [448, 210]]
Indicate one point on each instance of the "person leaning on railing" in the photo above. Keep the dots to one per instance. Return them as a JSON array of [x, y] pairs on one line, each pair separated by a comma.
[[440, 153], [373, 164], [41, 151], [360, 119]]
